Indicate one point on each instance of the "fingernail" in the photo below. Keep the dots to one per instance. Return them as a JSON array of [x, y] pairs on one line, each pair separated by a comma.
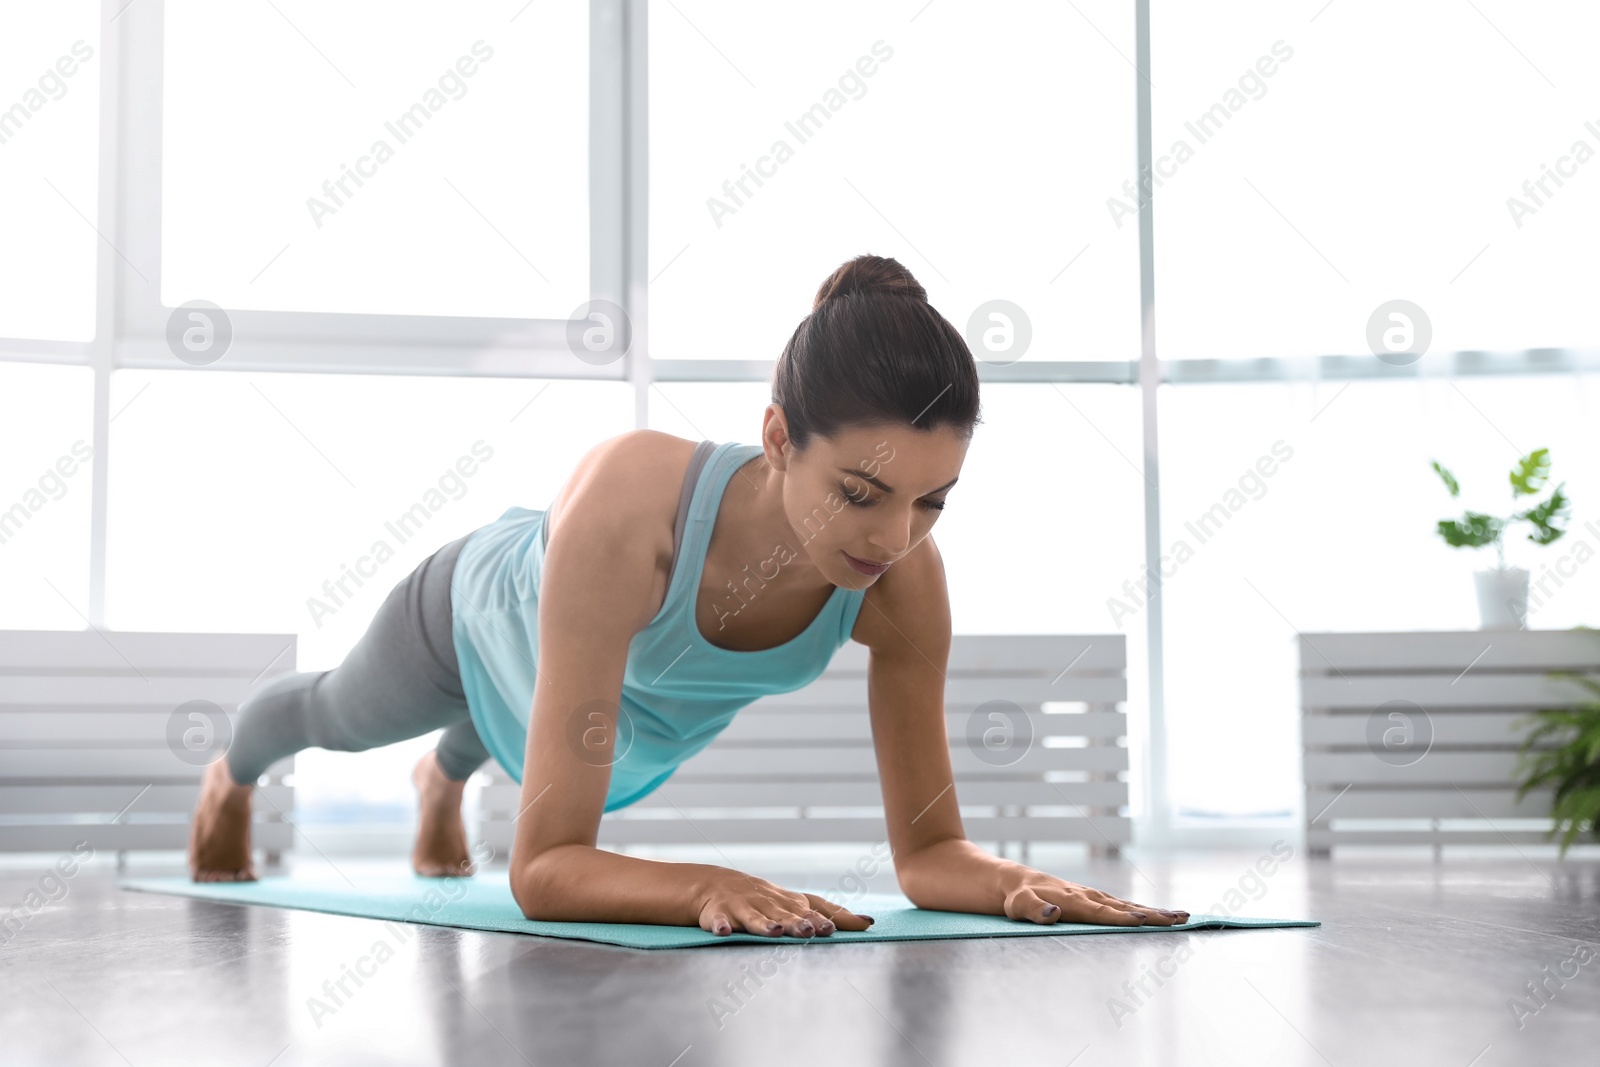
[[773, 928], [869, 918], [1049, 910], [1141, 916], [806, 927]]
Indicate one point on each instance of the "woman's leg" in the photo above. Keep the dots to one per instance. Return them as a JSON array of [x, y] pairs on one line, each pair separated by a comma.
[[399, 681]]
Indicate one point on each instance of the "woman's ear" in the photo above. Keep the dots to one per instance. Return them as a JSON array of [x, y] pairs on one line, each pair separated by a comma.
[[775, 438]]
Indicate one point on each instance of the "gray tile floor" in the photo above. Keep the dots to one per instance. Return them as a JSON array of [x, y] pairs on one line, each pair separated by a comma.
[[1416, 962]]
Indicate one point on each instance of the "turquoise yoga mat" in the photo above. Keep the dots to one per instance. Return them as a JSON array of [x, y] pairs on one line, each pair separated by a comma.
[[484, 902]]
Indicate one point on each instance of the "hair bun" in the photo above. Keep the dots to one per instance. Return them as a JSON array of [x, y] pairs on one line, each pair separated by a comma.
[[869, 274]]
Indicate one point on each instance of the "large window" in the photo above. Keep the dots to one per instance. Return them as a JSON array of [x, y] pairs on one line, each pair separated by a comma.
[[46, 475], [400, 159], [49, 134], [785, 141], [1305, 508], [240, 499], [415, 219], [1316, 161]]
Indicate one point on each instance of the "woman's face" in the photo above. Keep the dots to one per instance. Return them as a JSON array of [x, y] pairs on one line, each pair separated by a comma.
[[871, 493]]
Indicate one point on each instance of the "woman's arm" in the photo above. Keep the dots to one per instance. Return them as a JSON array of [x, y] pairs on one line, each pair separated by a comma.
[[603, 581], [905, 623], [597, 591]]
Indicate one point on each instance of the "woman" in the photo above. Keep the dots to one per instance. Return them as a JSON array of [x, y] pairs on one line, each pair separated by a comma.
[[668, 585]]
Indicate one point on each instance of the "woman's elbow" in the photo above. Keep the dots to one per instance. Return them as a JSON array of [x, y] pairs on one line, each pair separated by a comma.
[[528, 889]]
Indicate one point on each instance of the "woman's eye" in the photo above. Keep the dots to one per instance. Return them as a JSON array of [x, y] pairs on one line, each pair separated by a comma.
[[861, 501], [864, 501]]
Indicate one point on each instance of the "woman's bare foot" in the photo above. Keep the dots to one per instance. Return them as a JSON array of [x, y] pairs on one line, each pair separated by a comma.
[[219, 834], [441, 848]]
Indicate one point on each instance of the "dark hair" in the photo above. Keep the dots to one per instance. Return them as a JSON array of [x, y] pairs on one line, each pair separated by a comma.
[[873, 350]]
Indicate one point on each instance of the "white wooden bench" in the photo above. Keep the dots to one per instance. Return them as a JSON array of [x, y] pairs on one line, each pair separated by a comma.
[[799, 767], [94, 747], [1408, 738]]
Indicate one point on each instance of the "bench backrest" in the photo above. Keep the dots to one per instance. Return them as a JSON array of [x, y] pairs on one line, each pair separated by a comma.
[[94, 746], [801, 767], [1408, 738]]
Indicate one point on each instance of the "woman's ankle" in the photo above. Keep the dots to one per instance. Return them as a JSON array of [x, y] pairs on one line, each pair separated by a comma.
[[224, 774]]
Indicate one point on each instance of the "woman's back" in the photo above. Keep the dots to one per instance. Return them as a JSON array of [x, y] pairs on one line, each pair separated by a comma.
[[679, 689]]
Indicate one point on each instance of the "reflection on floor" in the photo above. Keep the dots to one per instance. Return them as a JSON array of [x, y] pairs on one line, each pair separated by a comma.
[[1472, 960]]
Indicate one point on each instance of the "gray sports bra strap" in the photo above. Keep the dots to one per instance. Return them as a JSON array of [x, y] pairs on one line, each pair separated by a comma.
[[691, 478]]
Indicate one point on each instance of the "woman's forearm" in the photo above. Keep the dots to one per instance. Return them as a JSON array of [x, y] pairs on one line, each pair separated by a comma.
[[579, 883]]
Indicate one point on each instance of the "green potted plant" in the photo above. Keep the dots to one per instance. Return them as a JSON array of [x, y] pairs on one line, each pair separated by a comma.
[[1503, 590], [1572, 769]]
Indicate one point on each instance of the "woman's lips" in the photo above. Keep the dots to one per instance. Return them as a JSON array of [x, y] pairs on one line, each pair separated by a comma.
[[865, 568]]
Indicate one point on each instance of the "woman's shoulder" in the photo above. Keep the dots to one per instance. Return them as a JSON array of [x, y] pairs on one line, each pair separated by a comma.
[[630, 483], [908, 607]]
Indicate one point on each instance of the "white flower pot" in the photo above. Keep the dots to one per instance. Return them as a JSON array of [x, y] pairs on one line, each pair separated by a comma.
[[1502, 598]]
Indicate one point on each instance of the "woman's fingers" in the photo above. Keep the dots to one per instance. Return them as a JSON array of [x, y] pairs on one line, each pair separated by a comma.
[[1157, 916], [1084, 909], [753, 920], [776, 920], [765, 910], [1074, 906], [842, 917]]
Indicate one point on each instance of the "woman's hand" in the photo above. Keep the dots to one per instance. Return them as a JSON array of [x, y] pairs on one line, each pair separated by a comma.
[[733, 900], [957, 875], [1046, 899]]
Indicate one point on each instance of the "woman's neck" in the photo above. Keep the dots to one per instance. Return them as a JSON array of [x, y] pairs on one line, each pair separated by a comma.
[[758, 525]]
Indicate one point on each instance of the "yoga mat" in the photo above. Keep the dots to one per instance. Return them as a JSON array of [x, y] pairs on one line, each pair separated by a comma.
[[484, 902]]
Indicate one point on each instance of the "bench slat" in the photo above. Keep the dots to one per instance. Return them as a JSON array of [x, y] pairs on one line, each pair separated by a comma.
[[70, 651], [1426, 803], [1043, 655], [111, 799], [115, 691], [107, 837], [1435, 692], [1449, 728], [74, 729], [142, 765], [1318, 838], [1435, 768], [1446, 651]]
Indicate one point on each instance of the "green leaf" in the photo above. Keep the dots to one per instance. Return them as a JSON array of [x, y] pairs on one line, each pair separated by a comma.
[[1545, 517], [1531, 472], [1448, 479], [1450, 482], [1572, 770], [1473, 530]]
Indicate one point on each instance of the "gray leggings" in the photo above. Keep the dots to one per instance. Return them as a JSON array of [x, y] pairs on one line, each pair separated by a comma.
[[400, 680]]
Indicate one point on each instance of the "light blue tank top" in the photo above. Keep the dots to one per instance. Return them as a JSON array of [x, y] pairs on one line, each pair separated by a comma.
[[679, 691]]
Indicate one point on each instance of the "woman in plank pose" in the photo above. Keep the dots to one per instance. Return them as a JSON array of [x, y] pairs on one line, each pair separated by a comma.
[[592, 647]]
